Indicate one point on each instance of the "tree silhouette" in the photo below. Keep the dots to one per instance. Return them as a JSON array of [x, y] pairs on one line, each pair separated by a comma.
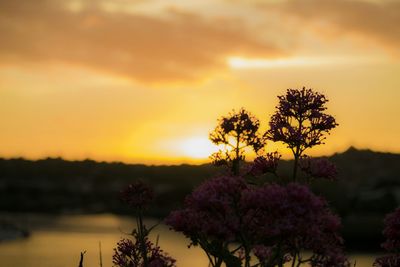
[[236, 132]]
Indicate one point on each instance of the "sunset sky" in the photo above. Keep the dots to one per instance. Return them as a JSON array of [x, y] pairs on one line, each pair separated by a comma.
[[144, 81]]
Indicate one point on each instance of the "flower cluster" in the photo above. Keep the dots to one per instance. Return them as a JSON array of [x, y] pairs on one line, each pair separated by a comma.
[[210, 210], [300, 121], [265, 164], [243, 125], [292, 216], [236, 131], [137, 195], [232, 219], [129, 254], [278, 222], [318, 167]]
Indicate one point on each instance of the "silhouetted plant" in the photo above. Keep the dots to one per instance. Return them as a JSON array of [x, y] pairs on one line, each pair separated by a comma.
[[236, 131], [232, 219], [392, 242], [140, 252], [300, 122]]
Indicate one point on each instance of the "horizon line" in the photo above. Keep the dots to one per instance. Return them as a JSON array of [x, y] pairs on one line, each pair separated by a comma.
[[352, 147]]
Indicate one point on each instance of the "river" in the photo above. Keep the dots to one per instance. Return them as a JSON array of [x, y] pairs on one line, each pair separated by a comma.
[[58, 241]]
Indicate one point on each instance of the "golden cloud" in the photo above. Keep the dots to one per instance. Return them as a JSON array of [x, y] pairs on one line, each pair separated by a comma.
[[378, 20], [177, 46]]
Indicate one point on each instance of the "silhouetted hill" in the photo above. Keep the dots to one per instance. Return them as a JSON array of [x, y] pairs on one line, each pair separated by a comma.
[[368, 181], [368, 187], [57, 185]]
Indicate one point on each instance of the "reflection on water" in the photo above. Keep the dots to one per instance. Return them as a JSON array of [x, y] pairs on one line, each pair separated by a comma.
[[57, 242]]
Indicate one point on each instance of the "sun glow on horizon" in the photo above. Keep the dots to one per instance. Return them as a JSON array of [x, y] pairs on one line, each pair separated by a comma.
[[197, 147]]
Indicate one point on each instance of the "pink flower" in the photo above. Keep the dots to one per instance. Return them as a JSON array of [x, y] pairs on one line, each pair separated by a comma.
[[210, 210], [128, 254], [299, 120], [291, 215], [275, 221]]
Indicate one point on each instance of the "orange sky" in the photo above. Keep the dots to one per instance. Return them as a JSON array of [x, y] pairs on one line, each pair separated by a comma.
[[146, 81]]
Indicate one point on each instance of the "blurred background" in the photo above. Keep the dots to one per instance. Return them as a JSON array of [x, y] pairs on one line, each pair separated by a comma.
[[97, 94]]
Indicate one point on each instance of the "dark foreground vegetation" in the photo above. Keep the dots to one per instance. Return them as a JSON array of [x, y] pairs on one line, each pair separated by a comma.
[[367, 188]]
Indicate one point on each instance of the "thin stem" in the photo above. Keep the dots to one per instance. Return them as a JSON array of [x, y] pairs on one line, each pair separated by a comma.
[[247, 256], [100, 256], [294, 260], [235, 161], [204, 247], [219, 262], [296, 163], [142, 239]]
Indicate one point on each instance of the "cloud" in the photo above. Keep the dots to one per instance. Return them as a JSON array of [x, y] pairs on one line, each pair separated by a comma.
[[377, 20], [177, 46]]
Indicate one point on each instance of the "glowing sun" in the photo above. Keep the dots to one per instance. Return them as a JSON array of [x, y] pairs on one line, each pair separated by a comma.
[[197, 147]]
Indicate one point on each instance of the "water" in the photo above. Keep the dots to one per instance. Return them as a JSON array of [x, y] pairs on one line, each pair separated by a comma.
[[58, 241]]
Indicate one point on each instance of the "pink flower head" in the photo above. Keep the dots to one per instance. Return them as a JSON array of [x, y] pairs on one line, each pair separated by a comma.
[[265, 164], [137, 195], [129, 254], [210, 210], [292, 215], [299, 120], [318, 167]]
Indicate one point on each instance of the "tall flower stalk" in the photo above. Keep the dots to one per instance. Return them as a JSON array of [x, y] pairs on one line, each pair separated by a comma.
[[300, 122]]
